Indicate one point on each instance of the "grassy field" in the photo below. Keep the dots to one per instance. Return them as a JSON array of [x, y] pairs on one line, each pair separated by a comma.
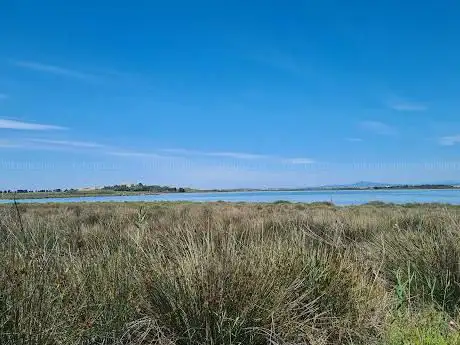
[[184, 273]]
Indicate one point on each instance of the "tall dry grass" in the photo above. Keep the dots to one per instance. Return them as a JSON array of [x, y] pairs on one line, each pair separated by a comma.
[[228, 274]]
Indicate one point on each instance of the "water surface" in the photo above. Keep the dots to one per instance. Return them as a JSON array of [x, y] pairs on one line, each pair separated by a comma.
[[338, 197]]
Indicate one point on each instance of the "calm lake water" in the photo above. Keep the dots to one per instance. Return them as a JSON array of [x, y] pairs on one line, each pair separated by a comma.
[[338, 197]]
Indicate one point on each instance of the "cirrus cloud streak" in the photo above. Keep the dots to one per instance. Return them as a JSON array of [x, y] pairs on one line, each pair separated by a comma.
[[27, 126]]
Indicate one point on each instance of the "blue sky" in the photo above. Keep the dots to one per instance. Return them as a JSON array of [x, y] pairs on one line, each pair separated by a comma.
[[228, 93]]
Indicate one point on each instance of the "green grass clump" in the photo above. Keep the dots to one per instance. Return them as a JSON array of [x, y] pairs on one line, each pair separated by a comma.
[[227, 291], [219, 273], [421, 256], [423, 328]]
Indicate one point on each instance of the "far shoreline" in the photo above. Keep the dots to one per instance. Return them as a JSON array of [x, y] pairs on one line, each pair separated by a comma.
[[90, 194], [64, 195]]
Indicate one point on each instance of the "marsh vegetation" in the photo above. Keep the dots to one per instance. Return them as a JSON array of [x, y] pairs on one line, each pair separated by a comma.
[[218, 273]]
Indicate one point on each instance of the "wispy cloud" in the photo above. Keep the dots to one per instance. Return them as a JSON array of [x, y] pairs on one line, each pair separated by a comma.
[[377, 127], [239, 156], [403, 104], [299, 161], [39, 144], [3, 96], [134, 154], [8, 144], [236, 155], [57, 70], [354, 140], [68, 143], [28, 126], [87, 145], [449, 140], [170, 154], [408, 106]]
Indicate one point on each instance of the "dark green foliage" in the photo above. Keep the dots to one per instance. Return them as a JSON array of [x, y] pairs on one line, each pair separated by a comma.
[[143, 188]]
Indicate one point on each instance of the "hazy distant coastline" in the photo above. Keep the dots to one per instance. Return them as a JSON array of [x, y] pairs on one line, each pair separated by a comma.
[[141, 189]]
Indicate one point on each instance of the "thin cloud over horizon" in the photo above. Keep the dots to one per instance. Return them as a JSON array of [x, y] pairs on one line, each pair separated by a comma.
[[239, 155], [407, 105], [56, 70], [28, 126], [377, 127], [134, 154], [449, 140], [225, 154], [300, 161], [69, 143], [8, 144]]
